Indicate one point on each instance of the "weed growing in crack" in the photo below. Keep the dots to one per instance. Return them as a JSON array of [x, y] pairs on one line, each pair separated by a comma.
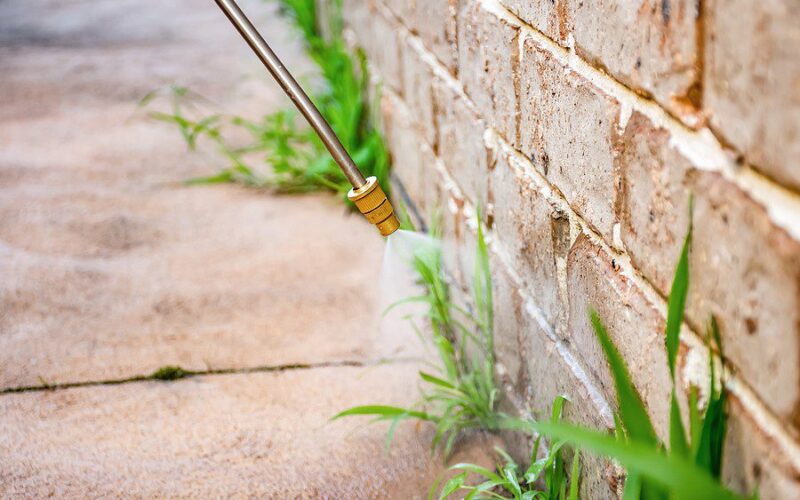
[[462, 392], [169, 373], [545, 478], [691, 465], [298, 160]]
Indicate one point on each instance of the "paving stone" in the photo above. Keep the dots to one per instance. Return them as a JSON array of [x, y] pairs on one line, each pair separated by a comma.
[[262, 434]]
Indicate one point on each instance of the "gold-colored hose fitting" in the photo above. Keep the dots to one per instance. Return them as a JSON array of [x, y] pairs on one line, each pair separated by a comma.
[[373, 203]]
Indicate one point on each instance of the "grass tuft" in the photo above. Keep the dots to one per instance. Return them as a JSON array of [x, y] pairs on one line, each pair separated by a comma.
[[461, 392], [545, 479], [297, 160], [690, 466]]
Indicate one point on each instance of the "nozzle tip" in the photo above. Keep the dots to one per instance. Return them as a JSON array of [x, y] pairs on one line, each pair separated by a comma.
[[376, 207], [389, 226]]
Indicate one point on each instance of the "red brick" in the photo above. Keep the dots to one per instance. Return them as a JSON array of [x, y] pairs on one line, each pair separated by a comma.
[[487, 54], [568, 131], [752, 81]]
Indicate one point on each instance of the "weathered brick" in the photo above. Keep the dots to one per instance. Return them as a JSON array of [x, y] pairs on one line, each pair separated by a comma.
[[752, 81], [355, 13], [650, 46], [654, 205], [530, 230], [435, 22], [751, 461], [539, 371], [405, 145], [418, 79], [378, 35], [549, 17], [487, 60], [743, 269], [568, 131], [458, 244], [746, 272], [460, 142], [510, 324], [632, 321], [404, 9]]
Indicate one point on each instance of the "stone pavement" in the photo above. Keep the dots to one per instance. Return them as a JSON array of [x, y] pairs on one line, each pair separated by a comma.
[[111, 268]]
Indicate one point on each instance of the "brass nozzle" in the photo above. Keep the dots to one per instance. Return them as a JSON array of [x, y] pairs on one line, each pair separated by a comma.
[[373, 203]]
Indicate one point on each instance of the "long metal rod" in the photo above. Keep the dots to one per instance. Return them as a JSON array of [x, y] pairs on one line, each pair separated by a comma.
[[293, 90]]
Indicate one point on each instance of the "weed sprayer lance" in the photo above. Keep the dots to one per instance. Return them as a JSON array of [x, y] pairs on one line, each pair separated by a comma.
[[366, 193]]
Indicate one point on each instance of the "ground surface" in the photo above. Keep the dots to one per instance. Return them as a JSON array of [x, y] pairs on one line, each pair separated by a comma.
[[111, 269]]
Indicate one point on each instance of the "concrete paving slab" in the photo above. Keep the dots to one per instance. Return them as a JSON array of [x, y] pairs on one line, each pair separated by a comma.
[[110, 266], [264, 435]]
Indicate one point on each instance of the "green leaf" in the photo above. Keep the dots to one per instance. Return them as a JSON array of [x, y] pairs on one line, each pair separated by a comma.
[[220, 178], [558, 407], [575, 477], [633, 487], [477, 469], [631, 408], [677, 299], [436, 380], [384, 412], [677, 434], [512, 483], [695, 421], [673, 472], [454, 484]]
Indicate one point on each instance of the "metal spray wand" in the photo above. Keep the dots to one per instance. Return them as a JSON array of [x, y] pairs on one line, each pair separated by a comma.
[[366, 193]]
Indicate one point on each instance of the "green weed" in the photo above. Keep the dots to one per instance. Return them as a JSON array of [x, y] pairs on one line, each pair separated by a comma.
[[297, 159], [690, 466], [462, 393], [169, 373], [545, 478]]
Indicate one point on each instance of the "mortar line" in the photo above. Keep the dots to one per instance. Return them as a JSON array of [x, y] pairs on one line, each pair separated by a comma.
[[751, 180], [701, 147], [754, 407], [212, 372]]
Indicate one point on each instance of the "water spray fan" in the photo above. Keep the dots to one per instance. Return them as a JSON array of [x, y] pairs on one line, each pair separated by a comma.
[[366, 193]]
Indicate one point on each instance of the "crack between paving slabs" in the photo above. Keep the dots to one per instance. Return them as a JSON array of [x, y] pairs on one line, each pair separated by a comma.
[[205, 373]]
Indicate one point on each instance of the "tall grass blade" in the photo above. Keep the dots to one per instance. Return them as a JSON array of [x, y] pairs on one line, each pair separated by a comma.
[[631, 408], [677, 298], [672, 472]]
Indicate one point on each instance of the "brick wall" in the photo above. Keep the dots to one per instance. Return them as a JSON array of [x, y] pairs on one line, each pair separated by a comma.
[[582, 127]]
